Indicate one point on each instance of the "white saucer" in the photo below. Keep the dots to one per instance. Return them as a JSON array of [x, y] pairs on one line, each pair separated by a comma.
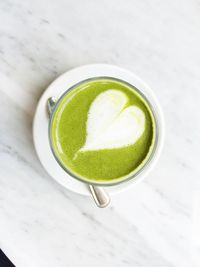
[[41, 119]]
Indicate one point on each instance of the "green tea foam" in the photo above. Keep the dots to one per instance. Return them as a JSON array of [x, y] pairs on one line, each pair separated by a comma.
[[103, 131]]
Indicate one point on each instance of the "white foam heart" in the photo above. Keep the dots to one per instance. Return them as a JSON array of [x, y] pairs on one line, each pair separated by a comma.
[[111, 124]]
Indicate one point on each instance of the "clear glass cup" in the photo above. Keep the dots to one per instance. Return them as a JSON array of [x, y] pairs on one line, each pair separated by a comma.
[[155, 151]]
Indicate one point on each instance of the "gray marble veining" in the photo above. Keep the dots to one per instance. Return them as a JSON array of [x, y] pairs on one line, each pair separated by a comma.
[[155, 223]]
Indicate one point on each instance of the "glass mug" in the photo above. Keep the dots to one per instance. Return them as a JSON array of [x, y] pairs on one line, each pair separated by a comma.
[[98, 71]]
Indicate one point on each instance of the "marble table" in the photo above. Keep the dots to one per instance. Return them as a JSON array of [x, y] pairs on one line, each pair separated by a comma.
[[156, 223]]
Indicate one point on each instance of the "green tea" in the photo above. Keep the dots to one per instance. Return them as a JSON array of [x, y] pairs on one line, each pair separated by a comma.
[[103, 131]]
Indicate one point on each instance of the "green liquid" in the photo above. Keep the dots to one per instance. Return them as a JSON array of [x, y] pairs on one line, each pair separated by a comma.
[[68, 135]]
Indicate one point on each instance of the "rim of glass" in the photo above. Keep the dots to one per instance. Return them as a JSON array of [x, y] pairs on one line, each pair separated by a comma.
[[116, 181]]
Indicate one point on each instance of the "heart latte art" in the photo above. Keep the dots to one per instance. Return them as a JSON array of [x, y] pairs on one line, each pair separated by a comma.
[[112, 124], [102, 131]]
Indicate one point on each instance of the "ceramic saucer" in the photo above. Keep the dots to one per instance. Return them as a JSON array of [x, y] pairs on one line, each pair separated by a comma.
[[41, 120]]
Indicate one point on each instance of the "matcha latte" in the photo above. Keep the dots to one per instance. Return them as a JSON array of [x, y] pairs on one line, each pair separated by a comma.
[[102, 131]]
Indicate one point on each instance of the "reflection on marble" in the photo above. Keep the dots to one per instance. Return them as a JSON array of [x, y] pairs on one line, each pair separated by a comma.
[[153, 224]]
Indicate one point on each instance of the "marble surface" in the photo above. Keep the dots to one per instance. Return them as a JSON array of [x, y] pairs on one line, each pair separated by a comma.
[[156, 223]]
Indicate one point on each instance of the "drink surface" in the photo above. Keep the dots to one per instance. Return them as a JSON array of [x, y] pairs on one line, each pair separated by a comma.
[[103, 131]]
